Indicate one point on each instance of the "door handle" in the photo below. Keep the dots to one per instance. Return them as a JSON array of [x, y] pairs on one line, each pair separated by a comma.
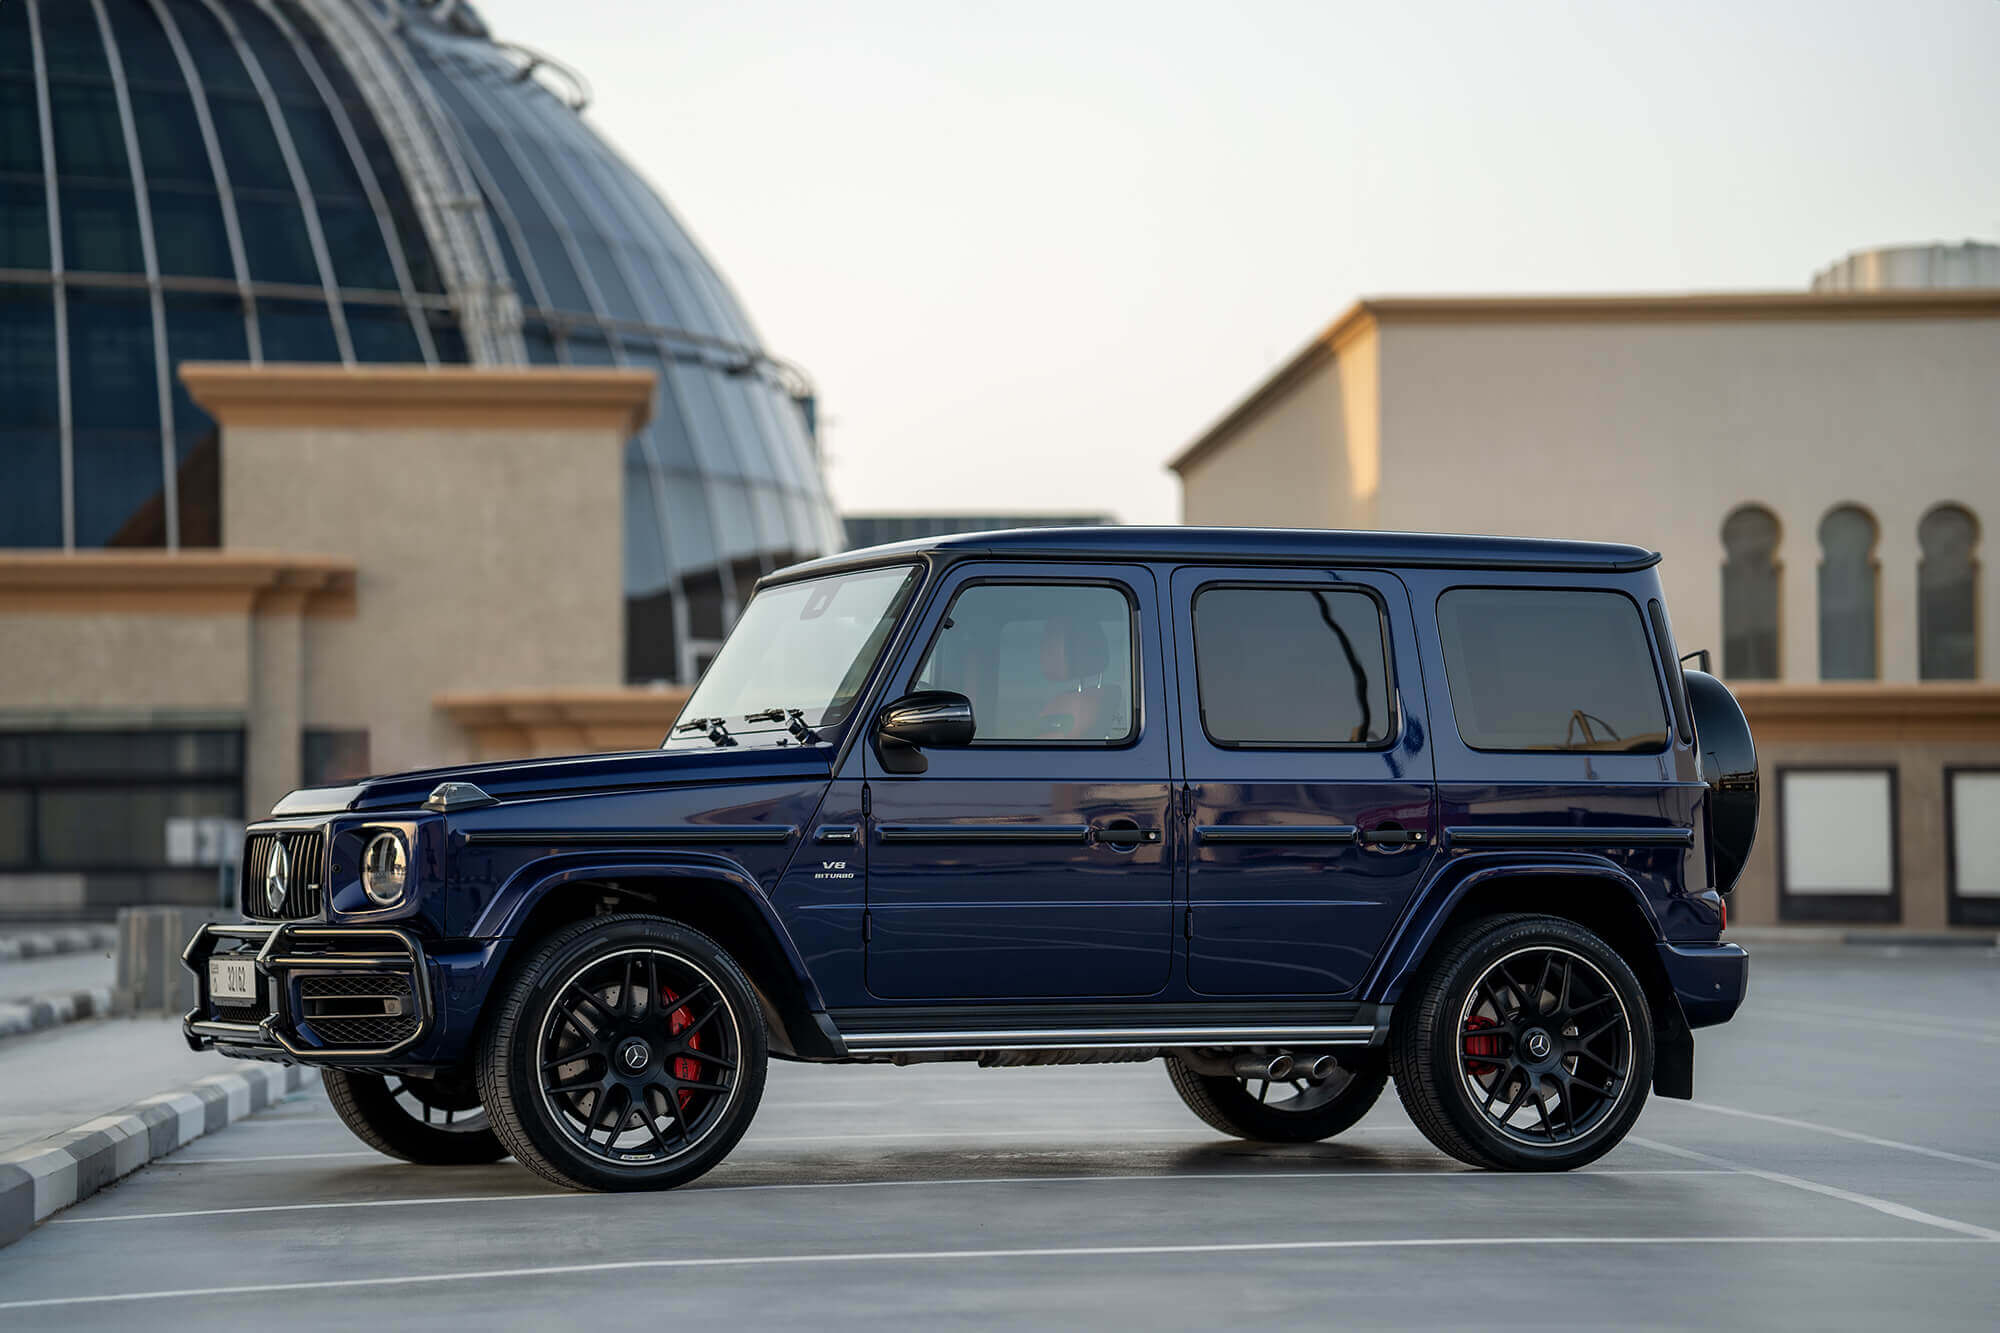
[[1124, 835], [1394, 837]]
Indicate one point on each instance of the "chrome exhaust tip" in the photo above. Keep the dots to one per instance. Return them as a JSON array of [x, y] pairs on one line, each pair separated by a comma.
[[1267, 1068], [1318, 1068]]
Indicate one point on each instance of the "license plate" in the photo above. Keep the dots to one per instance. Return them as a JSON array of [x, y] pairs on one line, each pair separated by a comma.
[[232, 980]]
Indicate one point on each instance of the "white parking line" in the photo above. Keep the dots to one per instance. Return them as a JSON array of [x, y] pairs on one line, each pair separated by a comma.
[[1188, 1177], [1905, 1027], [1884, 1206], [178, 1160], [756, 1139], [1851, 1135], [1904, 1015], [965, 1256]]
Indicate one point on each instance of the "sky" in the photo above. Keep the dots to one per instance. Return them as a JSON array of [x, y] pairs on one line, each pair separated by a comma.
[[1026, 251]]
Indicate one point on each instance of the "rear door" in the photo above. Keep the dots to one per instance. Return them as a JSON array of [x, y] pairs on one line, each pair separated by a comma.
[[1307, 774]]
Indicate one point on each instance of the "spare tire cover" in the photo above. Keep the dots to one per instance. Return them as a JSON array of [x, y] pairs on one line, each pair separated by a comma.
[[1729, 767]]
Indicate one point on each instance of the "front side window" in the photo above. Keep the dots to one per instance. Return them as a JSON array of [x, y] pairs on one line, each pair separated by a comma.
[[807, 646], [1291, 666], [1041, 662], [1550, 669]]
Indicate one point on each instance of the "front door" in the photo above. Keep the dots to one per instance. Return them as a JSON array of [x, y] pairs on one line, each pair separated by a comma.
[[1308, 774], [1032, 864]]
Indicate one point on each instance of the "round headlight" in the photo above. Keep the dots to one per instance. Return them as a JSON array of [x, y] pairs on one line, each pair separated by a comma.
[[384, 868]]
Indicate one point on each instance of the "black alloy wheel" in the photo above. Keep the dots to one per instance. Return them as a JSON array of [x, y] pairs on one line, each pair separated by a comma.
[[431, 1121], [1294, 1110], [1527, 1046], [629, 1055]]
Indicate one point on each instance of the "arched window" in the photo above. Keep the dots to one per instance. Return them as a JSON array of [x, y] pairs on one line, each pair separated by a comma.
[[1948, 594], [1750, 594], [1847, 579]]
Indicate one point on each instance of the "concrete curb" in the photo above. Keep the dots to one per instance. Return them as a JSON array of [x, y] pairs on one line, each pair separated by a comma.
[[43, 1178], [32, 1013], [56, 940]]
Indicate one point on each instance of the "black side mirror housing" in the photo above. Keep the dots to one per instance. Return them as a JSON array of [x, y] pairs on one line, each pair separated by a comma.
[[926, 719]]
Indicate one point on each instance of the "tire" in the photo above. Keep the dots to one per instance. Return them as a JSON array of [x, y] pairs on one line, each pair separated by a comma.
[[1306, 1112], [1521, 1014], [625, 1053], [433, 1122]]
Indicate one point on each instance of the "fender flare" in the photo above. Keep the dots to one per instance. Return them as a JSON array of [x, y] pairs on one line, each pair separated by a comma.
[[527, 889], [1433, 903]]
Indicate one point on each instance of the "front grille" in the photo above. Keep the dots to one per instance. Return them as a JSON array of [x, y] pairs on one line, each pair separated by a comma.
[[305, 857]]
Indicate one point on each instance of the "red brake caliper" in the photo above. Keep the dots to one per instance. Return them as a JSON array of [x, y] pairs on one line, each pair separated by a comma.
[[684, 1066], [1481, 1044]]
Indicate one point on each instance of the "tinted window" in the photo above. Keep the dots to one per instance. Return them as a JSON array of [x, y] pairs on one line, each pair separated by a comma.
[[1291, 666], [1040, 662], [1531, 669]]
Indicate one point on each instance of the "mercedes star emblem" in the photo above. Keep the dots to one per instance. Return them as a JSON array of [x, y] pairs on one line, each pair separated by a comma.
[[277, 878]]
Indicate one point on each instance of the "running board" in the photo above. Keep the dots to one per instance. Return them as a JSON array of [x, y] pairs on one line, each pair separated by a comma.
[[1131, 1038]]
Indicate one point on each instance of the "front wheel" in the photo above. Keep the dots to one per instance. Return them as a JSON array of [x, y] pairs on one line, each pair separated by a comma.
[[1298, 1110], [1526, 1046], [430, 1121], [627, 1053]]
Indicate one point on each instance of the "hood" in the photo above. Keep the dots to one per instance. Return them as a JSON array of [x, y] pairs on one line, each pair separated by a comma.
[[570, 775]]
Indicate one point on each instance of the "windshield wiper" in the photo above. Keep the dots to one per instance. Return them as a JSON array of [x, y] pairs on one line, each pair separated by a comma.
[[793, 718], [718, 734]]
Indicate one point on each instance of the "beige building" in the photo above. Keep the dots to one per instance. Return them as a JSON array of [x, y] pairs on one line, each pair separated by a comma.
[[1816, 468], [418, 570]]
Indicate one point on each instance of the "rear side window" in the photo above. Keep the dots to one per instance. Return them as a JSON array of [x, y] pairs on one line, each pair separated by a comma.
[[1544, 669], [1291, 666]]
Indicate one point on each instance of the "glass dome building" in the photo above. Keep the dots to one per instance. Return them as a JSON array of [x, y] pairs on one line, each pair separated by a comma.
[[359, 181]]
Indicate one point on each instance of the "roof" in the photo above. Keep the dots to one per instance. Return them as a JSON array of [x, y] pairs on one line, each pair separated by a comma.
[[1315, 546], [1365, 315]]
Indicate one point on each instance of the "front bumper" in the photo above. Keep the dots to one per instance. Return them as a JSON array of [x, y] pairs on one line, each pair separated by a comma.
[[1710, 980], [326, 994]]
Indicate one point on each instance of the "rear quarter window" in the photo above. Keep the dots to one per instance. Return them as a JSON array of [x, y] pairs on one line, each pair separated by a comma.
[[1539, 669]]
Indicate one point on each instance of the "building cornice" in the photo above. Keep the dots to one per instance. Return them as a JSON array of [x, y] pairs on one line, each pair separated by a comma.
[[1366, 316], [617, 401], [1931, 712], [514, 723], [174, 583]]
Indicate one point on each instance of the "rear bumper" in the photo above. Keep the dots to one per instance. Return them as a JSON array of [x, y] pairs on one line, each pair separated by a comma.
[[326, 994], [1710, 980]]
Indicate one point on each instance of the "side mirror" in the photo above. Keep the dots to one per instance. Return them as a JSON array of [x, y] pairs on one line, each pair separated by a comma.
[[927, 719]]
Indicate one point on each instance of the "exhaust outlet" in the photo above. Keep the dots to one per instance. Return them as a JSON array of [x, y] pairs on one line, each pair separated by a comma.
[[1268, 1068], [1318, 1068]]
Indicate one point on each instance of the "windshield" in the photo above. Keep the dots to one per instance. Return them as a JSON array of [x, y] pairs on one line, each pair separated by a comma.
[[807, 646]]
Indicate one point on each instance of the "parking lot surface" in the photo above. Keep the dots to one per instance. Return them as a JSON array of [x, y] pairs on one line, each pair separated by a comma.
[[1840, 1169]]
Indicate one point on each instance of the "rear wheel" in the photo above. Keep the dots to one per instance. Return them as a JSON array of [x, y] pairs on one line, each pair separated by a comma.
[[1297, 1110], [627, 1054], [1526, 1046], [433, 1121]]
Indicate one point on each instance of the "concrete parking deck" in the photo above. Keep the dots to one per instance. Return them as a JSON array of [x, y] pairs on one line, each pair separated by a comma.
[[1841, 1170]]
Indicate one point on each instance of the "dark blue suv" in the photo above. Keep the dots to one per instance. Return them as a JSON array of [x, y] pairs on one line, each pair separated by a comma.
[[1297, 812]]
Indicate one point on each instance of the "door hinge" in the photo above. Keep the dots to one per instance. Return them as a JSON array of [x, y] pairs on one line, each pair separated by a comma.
[[1189, 918], [867, 927], [867, 801], [1187, 802]]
